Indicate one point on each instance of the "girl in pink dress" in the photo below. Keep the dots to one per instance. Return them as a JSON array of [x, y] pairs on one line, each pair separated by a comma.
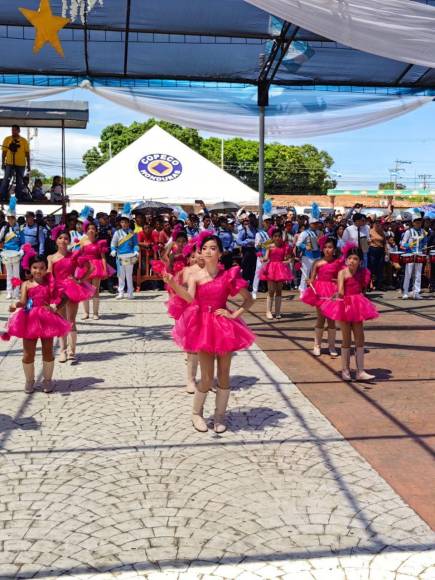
[[350, 307], [35, 319], [276, 271], [174, 256], [210, 329], [176, 305], [95, 254], [322, 285], [63, 265]]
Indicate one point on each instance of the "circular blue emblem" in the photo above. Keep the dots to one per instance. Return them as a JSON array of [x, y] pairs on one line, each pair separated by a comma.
[[160, 167]]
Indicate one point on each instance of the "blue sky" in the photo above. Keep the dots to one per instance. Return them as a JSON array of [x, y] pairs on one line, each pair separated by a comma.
[[362, 157]]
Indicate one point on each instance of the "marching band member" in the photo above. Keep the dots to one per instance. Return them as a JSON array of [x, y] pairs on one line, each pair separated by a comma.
[[308, 244], [414, 241], [125, 247], [262, 242], [12, 239]]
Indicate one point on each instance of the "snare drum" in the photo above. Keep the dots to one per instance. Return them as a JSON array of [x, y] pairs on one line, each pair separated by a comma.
[[395, 257], [413, 258], [127, 259], [10, 257]]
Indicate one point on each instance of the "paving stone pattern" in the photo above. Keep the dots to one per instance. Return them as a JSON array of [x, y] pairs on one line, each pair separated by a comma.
[[106, 477]]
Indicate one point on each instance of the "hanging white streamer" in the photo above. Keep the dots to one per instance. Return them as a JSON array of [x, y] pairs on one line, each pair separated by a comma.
[[399, 29], [74, 9]]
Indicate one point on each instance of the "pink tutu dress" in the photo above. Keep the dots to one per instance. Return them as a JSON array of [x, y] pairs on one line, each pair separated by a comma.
[[199, 329], [275, 270], [354, 306], [63, 272], [35, 320], [95, 253], [324, 285]]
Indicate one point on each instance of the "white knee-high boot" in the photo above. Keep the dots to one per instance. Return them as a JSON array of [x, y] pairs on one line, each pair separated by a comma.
[[72, 344], [29, 373], [318, 336], [63, 357], [86, 309], [96, 308], [269, 306], [198, 410], [278, 300], [191, 368], [345, 364], [222, 396], [361, 374], [47, 372], [332, 333]]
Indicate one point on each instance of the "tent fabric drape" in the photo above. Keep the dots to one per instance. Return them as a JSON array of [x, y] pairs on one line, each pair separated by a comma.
[[233, 111], [402, 30], [229, 117], [15, 94]]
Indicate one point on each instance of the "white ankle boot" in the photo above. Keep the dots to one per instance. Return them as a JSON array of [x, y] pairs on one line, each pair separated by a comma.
[[331, 342], [345, 364], [198, 410], [361, 375], [317, 349], [191, 367], [47, 372], [29, 373], [222, 396]]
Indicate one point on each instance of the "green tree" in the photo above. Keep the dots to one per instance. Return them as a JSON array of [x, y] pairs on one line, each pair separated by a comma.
[[391, 185]]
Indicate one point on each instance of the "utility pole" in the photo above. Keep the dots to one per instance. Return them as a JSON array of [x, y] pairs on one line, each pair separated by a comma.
[[425, 178], [397, 170]]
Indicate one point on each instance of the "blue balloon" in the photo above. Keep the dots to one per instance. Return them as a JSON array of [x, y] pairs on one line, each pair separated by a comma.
[[183, 216]]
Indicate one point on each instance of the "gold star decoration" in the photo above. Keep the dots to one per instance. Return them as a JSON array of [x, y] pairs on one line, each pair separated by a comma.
[[47, 26]]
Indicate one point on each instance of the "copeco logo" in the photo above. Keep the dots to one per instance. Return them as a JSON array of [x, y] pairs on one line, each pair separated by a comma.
[[160, 167]]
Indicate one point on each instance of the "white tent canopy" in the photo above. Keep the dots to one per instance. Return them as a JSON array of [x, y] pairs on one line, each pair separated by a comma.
[[159, 167]]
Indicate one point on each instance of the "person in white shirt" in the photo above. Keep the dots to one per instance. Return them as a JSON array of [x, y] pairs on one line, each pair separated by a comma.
[[359, 234], [308, 245]]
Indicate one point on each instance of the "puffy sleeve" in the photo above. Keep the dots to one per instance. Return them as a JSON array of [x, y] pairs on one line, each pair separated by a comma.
[[103, 247], [235, 281], [365, 277]]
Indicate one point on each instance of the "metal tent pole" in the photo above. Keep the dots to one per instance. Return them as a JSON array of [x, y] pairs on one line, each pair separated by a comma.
[[263, 101], [63, 173]]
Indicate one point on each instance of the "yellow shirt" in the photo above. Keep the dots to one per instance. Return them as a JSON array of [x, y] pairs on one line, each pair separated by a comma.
[[20, 155]]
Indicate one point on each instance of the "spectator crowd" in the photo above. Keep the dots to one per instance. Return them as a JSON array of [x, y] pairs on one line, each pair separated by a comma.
[[381, 239]]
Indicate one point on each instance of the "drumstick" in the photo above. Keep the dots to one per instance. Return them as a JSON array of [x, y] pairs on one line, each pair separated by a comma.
[[313, 289]]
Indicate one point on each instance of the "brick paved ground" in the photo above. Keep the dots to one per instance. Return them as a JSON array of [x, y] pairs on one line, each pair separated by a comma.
[[106, 478]]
